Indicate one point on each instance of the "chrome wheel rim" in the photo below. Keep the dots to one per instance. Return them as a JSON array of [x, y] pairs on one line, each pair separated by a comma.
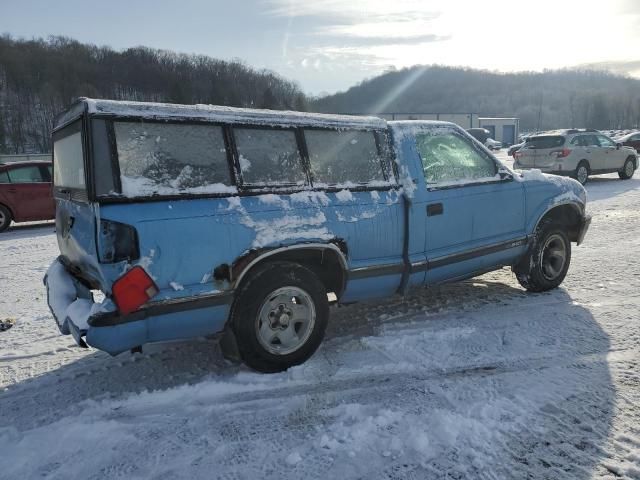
[[3, 218], [583, 174], [554, 257], [285, 320], [629, 168]]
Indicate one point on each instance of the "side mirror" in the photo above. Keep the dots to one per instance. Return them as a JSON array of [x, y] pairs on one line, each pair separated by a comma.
[[504, 174]]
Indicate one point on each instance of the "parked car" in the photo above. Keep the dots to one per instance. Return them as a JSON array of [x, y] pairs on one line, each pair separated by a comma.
[[577, 153], [197, 220], [492, 144], [484, 137], [514, 148], [631, 140], [25, 192]]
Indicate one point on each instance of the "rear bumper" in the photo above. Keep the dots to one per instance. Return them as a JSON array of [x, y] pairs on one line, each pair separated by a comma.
[[70, 302], [102, 326]]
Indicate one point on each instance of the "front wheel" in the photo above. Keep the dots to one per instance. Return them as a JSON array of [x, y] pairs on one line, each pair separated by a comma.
[[627, 170], [5, 218], [279, 316], [546, 265]]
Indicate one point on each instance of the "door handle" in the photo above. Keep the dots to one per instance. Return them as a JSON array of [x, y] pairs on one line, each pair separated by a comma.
[[434, 209]]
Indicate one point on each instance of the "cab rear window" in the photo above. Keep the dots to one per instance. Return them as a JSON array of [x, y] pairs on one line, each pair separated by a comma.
[[343, 156], [550, 141], [165, 159], [68, 160]]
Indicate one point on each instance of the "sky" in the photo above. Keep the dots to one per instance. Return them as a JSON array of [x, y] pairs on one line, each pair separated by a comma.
[[330, 45]]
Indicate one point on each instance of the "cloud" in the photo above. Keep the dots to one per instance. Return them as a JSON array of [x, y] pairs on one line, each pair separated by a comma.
[[321, 33], [373, 40]]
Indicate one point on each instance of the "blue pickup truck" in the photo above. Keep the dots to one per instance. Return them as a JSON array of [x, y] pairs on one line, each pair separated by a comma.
[[178, 221]]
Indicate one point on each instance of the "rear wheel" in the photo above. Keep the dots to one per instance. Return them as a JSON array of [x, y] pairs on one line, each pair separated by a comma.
[[547, 263], [628, 169], [5, 218], [582, 172], [279, 316]]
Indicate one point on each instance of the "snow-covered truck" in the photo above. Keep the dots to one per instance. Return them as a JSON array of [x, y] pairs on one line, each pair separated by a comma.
[[178, 221]]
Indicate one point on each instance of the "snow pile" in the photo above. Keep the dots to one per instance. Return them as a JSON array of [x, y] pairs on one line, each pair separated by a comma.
[[532, 175], [344, 196], [215, 113], [245, 164], [287, 228], [310, 197], [64, 301], [133, 187], [408, 185]]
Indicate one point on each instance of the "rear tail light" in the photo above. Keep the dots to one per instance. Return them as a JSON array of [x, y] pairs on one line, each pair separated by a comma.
[[565, 152], [133, 289], [517, 155]]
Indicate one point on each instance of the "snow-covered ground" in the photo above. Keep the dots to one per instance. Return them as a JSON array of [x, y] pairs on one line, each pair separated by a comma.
[[471, 380]]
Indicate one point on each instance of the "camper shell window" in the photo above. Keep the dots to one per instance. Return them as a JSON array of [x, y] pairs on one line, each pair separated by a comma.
[[171, 158], [136, 159], [68, 159], [269, 157]]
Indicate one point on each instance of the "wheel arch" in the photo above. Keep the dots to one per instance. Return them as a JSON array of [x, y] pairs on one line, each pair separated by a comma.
[[327, 260], [11, 212], [585, 161], [567, 213]]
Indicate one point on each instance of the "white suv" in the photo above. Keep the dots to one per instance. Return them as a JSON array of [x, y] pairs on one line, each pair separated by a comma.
[[577, 153]]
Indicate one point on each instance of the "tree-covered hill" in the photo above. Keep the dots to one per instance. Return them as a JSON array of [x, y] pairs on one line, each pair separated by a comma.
[[552, 99], [38, 78]]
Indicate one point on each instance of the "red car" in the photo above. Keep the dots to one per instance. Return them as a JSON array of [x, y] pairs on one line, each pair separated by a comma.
[[25, 192], [631, 140]]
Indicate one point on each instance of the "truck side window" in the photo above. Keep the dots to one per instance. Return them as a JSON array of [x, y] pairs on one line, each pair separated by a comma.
[[448, 157], [167, 158], [269, 156], [343, 156], [4, 177]]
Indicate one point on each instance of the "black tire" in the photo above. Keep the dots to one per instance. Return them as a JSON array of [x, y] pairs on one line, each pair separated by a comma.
[[628, 169], [5, 218], [578, 175], [539, 270], [254, 295]]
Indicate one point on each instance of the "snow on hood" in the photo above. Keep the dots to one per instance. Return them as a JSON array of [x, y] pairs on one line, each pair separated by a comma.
[[569, 190]]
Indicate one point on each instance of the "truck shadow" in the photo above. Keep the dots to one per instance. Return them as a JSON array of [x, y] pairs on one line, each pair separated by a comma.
[[541, 360]]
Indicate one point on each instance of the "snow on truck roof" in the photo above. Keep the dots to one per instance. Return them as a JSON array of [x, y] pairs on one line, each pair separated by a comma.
[[214, 113]]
